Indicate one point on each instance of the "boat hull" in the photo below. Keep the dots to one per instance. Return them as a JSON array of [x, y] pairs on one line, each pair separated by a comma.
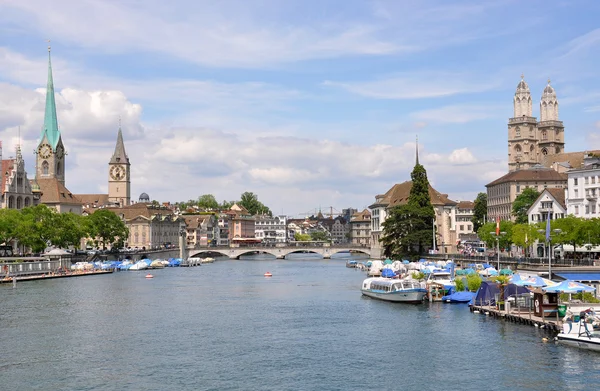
[[403, 296], [580, 342]]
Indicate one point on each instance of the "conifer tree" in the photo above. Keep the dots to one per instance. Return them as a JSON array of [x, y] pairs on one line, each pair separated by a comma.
[[408, 229]]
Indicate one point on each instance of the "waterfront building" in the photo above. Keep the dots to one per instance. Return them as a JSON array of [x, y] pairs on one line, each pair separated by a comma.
[[336, 228], [531, 141], [464, 215], [348, 213], [150, 226], [200, 229], [502, 192], [15, 190], [445, 217], [49, 182], [241, 224], [271, 229], [583, 188], [550, 202], [360, 228]]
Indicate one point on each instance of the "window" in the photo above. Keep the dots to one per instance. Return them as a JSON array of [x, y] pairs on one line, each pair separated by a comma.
[[586, 181], [518, 189], [518, 132], [576, 209], [593, 208], [544, 135], [462, 227], [45, 168], [469, 227], [575, 181], [587, 209]]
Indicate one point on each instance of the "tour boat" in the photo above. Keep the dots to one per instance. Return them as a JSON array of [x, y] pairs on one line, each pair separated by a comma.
[[391, 289], [584, 333]]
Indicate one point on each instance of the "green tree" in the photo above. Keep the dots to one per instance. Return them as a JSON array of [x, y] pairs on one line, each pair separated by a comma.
[[574, 231], [524, 235], [208, 202], [319, 236], [479, 211], [487, 233], [225, 205], [301, 237], [9, 221], [408, 228], [67, 230], [107, 227], [250, 201], [522, 204], [36, 226]]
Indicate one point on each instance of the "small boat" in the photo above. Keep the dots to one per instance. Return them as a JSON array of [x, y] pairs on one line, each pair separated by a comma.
[[459, 297], [268, 274], [157, 264], [351, 263], [581, 331], [149, 276], [207, 260], [391, 289]]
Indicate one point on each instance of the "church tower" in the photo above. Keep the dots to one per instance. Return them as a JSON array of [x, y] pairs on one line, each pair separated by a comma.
[[119, 179], [522, 137], [550, 128], [50, 153]]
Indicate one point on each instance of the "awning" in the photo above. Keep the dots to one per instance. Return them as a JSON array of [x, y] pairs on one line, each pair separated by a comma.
[[593, 277]]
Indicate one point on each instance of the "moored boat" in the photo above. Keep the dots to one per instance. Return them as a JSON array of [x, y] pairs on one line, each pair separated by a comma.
[[581, 331], [395, 290]]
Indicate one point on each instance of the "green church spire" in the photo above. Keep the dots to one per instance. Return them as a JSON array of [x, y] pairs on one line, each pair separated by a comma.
[[50, 128]]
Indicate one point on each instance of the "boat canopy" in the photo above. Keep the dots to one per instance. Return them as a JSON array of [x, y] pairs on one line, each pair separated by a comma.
[[486, 295]]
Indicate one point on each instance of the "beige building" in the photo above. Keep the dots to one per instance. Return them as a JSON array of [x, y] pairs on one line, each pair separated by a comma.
[[360, 228], [464, 215], [150, 226], [530, 141], [199, 229], [241, 225], [502, 192], [445, 217]]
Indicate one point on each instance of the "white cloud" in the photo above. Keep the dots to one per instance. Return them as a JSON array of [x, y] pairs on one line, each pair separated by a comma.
[[461, 156]]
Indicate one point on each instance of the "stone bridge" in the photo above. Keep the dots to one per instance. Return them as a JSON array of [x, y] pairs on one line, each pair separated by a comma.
[[278, 252]]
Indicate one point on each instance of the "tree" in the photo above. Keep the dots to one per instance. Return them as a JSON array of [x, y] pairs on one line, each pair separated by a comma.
[[301, 237], [524, 235], [574, 231], [9, 219], [225, 205], [522, 204], [408, 228], [253, 205], [107, 226], [35, 228], [68, 230], [485, 234], [208, 202], [479, 211], [319, 236]]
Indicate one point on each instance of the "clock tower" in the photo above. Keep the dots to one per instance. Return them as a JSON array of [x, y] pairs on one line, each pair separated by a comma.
[[119, 180], [50, 153]]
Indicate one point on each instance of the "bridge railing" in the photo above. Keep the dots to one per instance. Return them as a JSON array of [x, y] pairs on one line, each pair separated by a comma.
[[529, 261]]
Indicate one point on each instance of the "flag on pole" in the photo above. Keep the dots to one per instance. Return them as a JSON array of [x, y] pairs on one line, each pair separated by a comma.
[[497, 225], [548, 227]]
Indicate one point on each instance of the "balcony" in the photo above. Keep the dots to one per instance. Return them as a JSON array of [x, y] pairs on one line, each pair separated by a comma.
[[591, 196], [542, 124], [519, 120]]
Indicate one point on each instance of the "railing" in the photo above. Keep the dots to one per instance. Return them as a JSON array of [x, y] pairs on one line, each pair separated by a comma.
[[526, 261], [550, 123], [522, 119]]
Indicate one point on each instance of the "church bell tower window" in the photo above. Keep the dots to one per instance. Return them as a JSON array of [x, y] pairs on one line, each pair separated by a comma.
[[45, 168]]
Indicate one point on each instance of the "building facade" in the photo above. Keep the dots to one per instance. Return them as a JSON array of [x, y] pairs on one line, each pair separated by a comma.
[[584, 188], [360, 228], [119, 174], [271, 229], [200, 229], [529, 140], [551, 202], [502, 192], [15, 190], [464, 215]]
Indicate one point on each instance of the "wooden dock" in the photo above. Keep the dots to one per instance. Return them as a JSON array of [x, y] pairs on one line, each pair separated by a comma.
[[49, 276], [552, 323]]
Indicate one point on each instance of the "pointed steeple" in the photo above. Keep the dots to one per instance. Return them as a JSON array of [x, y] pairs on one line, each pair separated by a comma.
[[120, 156], [50, 129], [417, 151]]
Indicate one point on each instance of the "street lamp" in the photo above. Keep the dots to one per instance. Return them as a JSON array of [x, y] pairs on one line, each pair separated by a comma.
[[557, 231], [498, 245]]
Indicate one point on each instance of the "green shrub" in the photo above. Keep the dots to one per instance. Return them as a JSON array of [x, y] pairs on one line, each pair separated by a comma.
[[473, 282], [460, 284], [418, 276], [585, 297]]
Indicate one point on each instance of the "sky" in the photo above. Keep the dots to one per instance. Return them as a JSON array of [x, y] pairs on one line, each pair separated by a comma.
[[307, 103]]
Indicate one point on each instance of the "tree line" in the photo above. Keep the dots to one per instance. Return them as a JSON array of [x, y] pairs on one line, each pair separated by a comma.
[[208, 202], [39, 227]]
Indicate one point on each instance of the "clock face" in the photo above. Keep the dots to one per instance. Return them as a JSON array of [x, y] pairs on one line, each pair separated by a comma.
[[45, 150], [117, 172], [59, 152]]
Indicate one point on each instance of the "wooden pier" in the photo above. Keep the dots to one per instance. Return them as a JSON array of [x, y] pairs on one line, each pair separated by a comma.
[[49, 276], [552, 323]]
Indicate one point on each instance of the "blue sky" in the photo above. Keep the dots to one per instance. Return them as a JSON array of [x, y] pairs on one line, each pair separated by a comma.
[[305, 103]]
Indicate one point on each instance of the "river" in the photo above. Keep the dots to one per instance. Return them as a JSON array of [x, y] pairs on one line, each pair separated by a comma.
[[224, 326]]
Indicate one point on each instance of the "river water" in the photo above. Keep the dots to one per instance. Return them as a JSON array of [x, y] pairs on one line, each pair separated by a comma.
[[223, 326]]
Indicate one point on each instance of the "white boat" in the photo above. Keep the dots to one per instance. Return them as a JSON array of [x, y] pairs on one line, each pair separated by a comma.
[[583, 334], [441, 277], [391, 289], [139, 265], [208, 260]]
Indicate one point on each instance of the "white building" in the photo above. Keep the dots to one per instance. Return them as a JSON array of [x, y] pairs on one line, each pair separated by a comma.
[[464, 215], [583, 188], [550, 201], [271, 229]]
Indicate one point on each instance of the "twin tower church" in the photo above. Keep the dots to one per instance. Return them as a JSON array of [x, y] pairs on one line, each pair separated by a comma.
[[49, 185]]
